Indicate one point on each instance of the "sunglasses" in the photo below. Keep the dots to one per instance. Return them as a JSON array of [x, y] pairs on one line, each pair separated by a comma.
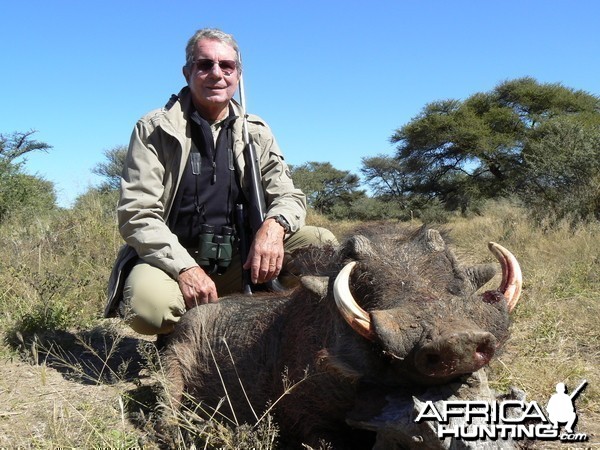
[[227, 66]]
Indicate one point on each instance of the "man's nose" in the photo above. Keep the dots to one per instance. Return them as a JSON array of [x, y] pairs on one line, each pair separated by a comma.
[[216, 70]]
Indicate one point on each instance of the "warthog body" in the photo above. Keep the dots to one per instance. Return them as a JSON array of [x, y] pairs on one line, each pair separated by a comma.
[[391, 309]]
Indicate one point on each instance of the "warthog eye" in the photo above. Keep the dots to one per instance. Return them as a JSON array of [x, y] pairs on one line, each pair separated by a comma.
[[433, 359], [492, 297]]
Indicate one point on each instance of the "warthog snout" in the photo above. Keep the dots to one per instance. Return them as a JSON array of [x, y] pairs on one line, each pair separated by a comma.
[[455, 353]]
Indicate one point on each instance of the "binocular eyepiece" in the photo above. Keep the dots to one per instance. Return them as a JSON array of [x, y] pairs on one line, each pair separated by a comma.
[[215, 250]]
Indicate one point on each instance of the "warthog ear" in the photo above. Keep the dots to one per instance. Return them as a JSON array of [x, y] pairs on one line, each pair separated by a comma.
[[480, 274], [327, 362], [357, 247], [432, 239], [317, 285]]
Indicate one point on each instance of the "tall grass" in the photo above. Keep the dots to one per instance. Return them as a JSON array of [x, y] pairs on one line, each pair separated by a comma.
[[54, 269]]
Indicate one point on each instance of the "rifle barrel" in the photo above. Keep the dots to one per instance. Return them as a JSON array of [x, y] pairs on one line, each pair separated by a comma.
[[578, 390]]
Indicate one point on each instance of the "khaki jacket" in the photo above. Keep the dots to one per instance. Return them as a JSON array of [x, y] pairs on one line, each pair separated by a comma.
[[158, 151]]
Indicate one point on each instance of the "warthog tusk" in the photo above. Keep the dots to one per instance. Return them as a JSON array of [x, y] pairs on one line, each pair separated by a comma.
[[512, 278], [352, 313]]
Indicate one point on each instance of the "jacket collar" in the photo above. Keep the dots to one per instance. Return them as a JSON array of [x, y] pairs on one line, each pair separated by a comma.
[[175, 113], [177, 110]]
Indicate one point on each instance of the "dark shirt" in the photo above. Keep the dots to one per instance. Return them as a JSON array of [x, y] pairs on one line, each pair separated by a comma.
[[209, 188]]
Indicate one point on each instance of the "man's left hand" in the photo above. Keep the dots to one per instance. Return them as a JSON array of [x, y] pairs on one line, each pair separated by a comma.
[[265, 258]]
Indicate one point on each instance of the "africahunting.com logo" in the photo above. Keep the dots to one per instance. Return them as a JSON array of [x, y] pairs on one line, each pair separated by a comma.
[[507, 419]]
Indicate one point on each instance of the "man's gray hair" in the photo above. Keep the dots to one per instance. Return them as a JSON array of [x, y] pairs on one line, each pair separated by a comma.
[[213, 34]]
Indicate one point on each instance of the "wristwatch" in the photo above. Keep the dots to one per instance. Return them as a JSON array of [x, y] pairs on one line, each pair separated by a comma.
[[281, 221]]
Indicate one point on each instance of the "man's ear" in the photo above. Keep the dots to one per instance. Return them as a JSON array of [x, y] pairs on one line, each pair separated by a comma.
[[186, 73]]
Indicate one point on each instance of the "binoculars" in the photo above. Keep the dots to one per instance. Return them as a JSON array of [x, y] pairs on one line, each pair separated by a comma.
[[215, 250]]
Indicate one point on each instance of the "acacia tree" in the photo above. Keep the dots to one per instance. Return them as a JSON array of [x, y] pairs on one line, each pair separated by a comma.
[[385, 176], [460, 151], [111, 168], [568, 182], [19, 191], [17, 144], [327, 188]]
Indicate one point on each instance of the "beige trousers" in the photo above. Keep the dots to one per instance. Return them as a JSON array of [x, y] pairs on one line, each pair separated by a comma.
[[152, 302]]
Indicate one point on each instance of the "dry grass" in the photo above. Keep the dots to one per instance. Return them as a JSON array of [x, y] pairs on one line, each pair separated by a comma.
[[340, 228], [195, 424]]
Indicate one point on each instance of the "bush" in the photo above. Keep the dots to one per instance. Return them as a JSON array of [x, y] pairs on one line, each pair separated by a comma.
[[25, 194]]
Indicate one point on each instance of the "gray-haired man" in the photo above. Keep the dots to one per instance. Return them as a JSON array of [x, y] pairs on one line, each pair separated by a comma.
[[185, 172]]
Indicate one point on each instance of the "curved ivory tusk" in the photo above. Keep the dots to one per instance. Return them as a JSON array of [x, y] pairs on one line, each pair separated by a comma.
[[356, 317], [512, 278]]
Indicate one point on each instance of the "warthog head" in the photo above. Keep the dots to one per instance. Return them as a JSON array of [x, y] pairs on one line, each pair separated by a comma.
[[419, 308]]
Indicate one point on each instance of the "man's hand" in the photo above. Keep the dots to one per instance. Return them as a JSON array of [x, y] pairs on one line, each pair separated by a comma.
[[265, 257], [197, 287]]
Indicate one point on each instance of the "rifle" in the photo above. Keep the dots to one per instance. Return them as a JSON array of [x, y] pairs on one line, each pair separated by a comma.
[[240, 220], [257, 206], [576, 392]]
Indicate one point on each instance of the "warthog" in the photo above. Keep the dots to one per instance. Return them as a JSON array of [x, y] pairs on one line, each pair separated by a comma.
[[390, 308]]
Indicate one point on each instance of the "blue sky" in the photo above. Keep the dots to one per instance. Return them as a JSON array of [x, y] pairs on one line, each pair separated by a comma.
[[334, 79]]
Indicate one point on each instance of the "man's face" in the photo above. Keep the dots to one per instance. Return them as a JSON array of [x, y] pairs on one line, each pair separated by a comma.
[[211, 87]]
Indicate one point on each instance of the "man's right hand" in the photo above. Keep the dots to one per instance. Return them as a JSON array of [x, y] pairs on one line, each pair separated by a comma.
[[197, 287]]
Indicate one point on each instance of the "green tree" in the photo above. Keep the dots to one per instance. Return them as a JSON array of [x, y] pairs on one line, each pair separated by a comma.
[[386, 177], [326, 187], [20, 191], [568, 182], [111, 168], [460, 152], [17, 144]]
